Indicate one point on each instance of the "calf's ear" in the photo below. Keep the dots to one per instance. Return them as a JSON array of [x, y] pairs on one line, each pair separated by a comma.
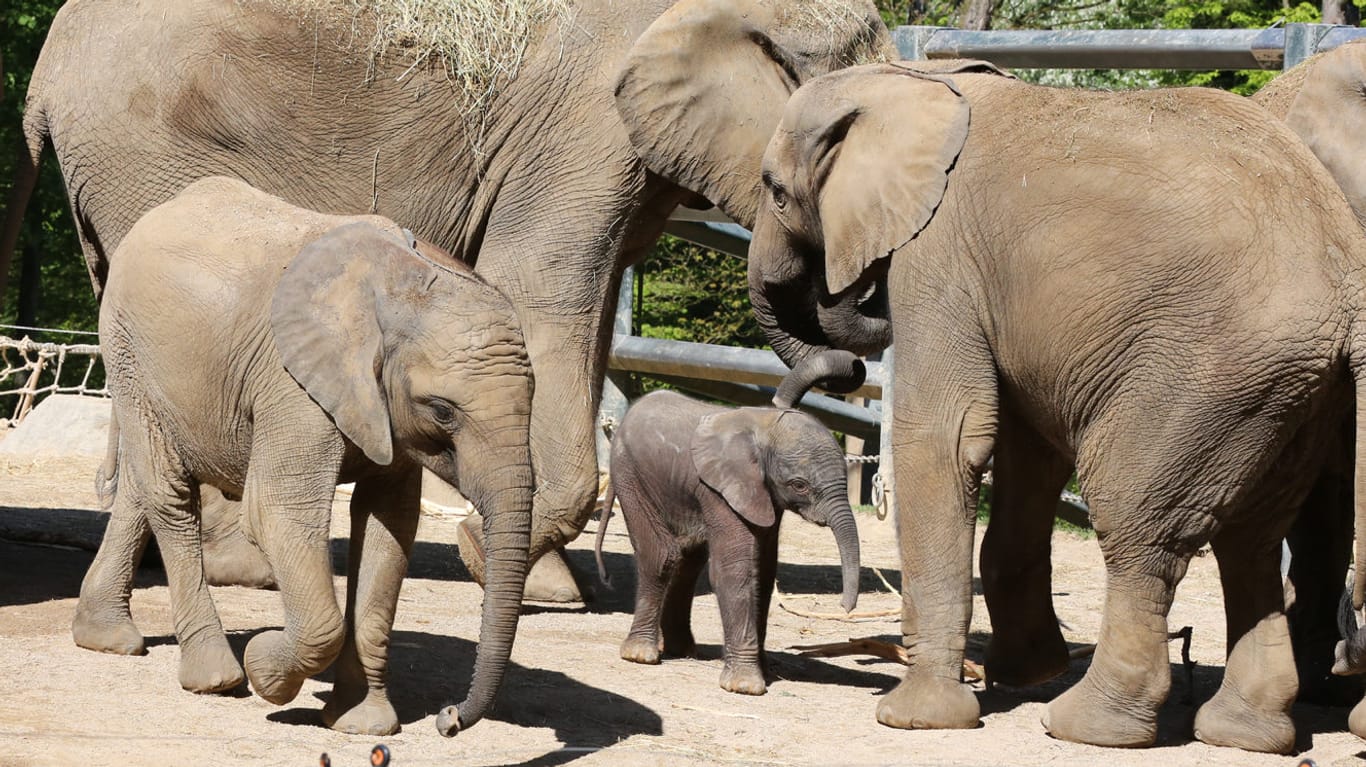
[[725, 451]]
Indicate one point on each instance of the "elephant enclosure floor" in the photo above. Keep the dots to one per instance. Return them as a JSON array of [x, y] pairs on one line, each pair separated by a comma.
[[567, 698]]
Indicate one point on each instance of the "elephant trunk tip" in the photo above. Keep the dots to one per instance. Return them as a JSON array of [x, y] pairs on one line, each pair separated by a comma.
[[448, 721], [849, 602]]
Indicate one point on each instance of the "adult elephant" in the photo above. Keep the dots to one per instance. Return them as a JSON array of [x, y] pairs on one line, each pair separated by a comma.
[[1323, 100], [550, 185], [1188, 371]]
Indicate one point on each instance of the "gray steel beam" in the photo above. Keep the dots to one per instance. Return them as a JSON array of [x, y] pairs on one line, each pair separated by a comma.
[[725, 237], [835, 414], [1124, 48], [684, 359]]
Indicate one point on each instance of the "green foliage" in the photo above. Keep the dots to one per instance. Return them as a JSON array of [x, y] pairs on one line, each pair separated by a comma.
[[65, 299], [695, 294]]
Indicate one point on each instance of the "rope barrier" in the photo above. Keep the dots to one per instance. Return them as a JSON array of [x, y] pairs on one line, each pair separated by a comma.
[[35, 361]]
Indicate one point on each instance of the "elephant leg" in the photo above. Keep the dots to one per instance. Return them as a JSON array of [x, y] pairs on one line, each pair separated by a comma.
[[1320, 543], [152, 486], [1026, 647], [1251, 710], [675, 621], [734, 571], [551, 578], [768, 579], [1116, 703], [103, 622], [384, 514], [288, 503], [230, 559], [657, 556]]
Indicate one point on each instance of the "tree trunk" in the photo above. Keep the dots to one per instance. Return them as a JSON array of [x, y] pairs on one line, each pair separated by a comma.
[[30, 284], [977, 13], [1341, 12]]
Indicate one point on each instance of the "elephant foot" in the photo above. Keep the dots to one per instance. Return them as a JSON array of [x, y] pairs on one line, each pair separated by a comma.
[[924, 702], [235, 561], [1084, 715], [118, 635], [743, 678], [1356, 721], [372, 714], [1026, 660], [640, 650], [271, 679], [550, 578], [209, 666], [1228, 719]]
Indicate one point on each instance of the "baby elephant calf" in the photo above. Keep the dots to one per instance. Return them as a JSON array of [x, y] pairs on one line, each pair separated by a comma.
[[695, 479]]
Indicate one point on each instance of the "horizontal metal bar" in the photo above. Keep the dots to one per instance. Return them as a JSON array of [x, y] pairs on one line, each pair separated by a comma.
[[837, 415], [1100, 48], [726, 237], [684, 359]]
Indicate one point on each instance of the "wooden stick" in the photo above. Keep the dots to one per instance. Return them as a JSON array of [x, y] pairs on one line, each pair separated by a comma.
[[847, 618]]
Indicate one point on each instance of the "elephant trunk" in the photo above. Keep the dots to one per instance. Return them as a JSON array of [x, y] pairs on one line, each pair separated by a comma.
[[798, 320], [502, 491], [835, 370], [846, 537]]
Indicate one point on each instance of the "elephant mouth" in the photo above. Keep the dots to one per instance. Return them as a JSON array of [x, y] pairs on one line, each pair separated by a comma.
[[858, 318]]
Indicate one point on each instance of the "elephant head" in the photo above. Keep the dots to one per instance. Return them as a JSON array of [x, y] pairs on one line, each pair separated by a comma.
[[703, 87], [832, 215], [425, 363], [1324, 101], [762, 459]]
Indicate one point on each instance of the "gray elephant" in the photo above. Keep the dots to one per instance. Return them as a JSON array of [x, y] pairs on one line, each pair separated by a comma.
[[1160, 289], [272, 352], [702, 484], [553, 183]]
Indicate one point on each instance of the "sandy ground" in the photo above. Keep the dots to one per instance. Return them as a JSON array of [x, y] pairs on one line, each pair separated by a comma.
[[568, 698]]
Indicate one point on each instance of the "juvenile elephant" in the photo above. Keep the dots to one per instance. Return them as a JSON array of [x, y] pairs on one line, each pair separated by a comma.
[[703, 484], [1161, 289], [565, 174], [272, 352]]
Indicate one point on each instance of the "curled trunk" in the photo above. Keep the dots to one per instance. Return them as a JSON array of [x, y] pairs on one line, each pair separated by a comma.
[[502, 493], [836, 370]]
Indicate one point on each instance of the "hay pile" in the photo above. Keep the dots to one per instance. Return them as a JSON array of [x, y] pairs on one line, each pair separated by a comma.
[[479, 43], [837, 22]]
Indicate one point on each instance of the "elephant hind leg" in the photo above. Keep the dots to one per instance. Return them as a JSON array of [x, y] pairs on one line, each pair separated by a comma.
[[676, 616], [1251, 710], [657, 556], [103, 622], [152, 485], [1027, 646]]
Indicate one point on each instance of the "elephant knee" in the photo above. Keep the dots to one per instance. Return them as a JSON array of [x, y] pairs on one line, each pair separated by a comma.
[[563, 511]]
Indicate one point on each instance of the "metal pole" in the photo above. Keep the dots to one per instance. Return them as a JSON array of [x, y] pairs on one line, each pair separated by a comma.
[[613, 406], [1302, 41], [884, 470]]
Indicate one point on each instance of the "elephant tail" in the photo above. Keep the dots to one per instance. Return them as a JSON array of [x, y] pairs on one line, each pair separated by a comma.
[[1351, 651], [25, 179], [609, 497], [107, 478]]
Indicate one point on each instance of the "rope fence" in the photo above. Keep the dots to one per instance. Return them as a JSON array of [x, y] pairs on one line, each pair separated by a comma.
[[35, 369]]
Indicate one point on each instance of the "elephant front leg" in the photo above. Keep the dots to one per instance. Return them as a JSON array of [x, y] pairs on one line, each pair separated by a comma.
[[384, 513], [1251, 710], [734, 570], [103, 622], [944, 428], [1116, 703], [288, 500], [1027, 646]]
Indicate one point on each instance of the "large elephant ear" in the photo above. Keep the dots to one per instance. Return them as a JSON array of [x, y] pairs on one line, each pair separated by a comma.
[[725, 451], [324, 319], [1329, 114], [879, 143], [701, 92]]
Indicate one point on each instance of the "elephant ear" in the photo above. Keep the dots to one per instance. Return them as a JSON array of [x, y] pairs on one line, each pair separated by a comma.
[[701, 92], [1328, 114], [725, 451], [885, 140], [324, 319]]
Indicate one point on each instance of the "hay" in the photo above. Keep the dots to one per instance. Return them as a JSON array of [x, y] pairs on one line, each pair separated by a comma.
[[479, 43], [838, 22]]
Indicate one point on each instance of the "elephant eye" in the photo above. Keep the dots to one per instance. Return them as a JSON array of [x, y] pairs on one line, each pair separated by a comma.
[[442, 411], [799, 486], [777, 190]]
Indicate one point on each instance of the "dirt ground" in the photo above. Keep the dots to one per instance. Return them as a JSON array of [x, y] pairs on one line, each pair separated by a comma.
[[567, 698]]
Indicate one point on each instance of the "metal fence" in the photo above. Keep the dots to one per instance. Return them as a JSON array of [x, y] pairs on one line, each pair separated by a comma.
[[746, 376]]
